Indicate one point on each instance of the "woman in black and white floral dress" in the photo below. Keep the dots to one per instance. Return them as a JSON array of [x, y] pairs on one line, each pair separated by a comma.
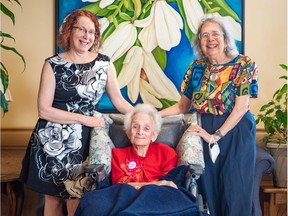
[[72, 83]]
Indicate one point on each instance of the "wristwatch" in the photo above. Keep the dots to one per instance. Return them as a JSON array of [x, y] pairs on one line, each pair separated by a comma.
[[218, 133]]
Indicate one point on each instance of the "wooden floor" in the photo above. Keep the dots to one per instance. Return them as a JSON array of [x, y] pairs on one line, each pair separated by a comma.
[[29, 206], [11, 163], [278, 206]]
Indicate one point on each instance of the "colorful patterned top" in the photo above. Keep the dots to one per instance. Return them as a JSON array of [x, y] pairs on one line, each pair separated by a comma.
[[213, 88], [128, 166]]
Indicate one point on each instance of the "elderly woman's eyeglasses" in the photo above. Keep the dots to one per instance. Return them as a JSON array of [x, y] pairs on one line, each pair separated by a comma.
[[82, 31], [213, 34]]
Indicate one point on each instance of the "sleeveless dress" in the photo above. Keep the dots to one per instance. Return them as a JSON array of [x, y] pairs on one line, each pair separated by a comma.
[[54, 149]]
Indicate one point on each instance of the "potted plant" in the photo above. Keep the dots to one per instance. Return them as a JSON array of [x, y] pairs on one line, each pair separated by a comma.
[[274, 117], [4, 37]]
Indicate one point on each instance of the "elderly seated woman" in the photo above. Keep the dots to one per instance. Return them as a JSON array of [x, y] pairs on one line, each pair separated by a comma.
[[143, 175]]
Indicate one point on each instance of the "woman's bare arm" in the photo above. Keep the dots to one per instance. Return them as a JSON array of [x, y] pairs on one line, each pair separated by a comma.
[[239, 110], [114, 93], [182, 106]]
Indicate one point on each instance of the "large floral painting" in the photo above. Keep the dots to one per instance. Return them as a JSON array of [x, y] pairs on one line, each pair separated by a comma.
[[151, 41]]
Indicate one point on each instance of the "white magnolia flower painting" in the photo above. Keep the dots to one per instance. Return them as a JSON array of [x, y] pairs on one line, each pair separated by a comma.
[[151, 41]]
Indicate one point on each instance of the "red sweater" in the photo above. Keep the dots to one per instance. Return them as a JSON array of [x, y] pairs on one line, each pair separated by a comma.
[[127, 166]]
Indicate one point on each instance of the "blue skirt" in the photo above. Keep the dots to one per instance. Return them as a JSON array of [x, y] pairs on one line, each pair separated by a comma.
[[227, 184]]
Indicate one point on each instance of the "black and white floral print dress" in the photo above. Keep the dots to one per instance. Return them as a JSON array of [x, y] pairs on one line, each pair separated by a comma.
[[54, 150]]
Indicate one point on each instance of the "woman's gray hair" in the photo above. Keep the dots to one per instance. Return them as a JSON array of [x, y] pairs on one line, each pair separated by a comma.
[[231, 48], [143, 109]]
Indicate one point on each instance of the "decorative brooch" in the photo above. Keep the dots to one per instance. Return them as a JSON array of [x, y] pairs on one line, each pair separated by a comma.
[[132, 165]]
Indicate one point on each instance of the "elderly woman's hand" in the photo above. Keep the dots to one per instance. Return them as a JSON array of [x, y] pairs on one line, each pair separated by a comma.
[[138, 185], [166, 183]]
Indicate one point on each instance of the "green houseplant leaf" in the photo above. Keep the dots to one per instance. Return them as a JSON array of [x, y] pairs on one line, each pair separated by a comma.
[[274, 114], [7, 12], [6, 36], [16, 52]]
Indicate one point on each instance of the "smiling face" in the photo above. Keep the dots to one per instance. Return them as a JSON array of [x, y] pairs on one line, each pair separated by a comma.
[[213, 43], [142, 130], [83, 34]]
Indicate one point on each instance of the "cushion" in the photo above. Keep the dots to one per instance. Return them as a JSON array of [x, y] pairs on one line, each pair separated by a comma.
[[190, 147], [172, 129], [100, 147], [101, 144]]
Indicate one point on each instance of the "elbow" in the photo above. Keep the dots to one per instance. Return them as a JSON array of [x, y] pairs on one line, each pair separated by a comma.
[[242, 104], [42, 112], [241, 110]]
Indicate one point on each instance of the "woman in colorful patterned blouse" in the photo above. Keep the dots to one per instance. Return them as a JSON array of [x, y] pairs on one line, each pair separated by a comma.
[[218, 86], [145, 161]]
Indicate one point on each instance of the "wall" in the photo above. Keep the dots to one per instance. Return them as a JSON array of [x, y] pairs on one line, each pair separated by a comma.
[[34, 34], [265, 42]]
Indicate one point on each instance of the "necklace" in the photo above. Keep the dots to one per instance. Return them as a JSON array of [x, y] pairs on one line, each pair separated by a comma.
[[213, 72]]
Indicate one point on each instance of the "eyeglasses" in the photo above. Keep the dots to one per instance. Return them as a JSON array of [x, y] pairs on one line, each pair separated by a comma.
[[214, 34], [82, 31]]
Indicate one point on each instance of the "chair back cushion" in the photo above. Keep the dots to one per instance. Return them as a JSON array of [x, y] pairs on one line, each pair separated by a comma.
[[172, 129]]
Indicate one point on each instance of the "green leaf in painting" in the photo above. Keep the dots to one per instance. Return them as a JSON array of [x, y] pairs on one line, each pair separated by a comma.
[[189, 34], [221, 7], [118, 64], [137, 8], [95, 9], [160, 56], [166, 103], [125, 16]]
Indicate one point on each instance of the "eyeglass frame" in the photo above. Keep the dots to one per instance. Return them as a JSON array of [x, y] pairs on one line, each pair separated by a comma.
[[83, 30], [218, 34]]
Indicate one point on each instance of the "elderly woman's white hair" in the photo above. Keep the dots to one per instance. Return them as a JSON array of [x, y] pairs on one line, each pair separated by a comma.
[[144, 109], [231, 48]]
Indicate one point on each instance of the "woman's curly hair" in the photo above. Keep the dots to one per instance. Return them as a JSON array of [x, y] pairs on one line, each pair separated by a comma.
[[66, 28]]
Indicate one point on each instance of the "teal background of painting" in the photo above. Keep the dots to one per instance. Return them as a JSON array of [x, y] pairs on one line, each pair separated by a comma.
[[178, 58]]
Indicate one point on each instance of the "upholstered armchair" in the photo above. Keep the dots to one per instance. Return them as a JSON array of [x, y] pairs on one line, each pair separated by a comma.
[[172, 129]]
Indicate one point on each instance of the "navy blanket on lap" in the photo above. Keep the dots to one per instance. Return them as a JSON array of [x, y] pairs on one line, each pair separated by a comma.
[[125, 200]]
